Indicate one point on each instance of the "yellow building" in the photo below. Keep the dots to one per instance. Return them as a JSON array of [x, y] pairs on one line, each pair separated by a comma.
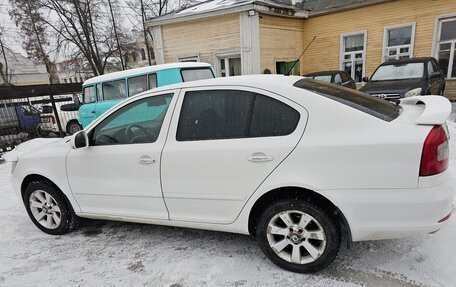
[[251, 37]]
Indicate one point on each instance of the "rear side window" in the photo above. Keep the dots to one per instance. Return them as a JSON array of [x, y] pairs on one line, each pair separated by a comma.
[[371, 105], [271, 117], [218, 114], [228, 114], [196, 74]]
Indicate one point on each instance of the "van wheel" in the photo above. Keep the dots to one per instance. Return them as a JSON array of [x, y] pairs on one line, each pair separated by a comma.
[[298, 236], [47, 208], [73, 127]]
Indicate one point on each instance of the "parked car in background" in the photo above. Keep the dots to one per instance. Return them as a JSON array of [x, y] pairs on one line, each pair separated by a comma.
[[15, 118], [253, 155], [340, 78], [67, 112], [103, 92], [404, 78]]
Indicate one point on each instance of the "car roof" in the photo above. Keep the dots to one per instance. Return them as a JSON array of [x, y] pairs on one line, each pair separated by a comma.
[[405, 61], [322, 73], [144, 70], [268, 81]]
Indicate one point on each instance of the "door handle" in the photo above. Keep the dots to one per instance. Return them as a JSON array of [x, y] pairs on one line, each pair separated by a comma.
[[92, 112], [146, 160], [260, 157]]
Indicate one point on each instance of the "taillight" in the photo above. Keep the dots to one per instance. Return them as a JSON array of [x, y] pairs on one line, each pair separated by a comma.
[[435, 155]]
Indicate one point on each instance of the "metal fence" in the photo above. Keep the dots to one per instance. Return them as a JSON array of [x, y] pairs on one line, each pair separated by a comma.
[[24, 117]]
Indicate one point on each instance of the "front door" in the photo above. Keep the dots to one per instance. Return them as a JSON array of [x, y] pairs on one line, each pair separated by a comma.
[[222, 144], [118, 174]]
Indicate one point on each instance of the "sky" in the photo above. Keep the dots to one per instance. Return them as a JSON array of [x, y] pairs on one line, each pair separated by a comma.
[[13, 34]]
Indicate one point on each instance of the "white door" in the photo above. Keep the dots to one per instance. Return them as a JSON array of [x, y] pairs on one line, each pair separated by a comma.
[[119, 173], [222, 143]]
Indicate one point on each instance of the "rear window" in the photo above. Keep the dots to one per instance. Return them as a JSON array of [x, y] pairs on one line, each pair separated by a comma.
[[371, 105], [196, 74]]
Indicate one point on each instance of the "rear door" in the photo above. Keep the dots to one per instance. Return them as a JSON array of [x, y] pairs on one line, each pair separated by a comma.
[[223, 142]]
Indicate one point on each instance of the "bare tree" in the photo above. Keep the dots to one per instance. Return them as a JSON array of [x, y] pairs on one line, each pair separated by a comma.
[[5, 71], [28, 15], [116, 34], [85, 28]]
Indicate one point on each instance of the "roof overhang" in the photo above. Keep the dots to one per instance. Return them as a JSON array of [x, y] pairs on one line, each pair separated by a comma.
[[347, 7], [271, 9]]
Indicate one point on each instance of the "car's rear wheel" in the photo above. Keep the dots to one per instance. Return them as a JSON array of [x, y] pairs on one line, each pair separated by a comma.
[[298, 236], [47, 208]]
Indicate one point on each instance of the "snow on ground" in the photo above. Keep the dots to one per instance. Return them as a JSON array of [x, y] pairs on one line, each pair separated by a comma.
[[102, 253]]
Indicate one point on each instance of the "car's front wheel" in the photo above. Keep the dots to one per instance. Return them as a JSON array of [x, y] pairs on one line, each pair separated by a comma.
[[48, 208], [298, 236]]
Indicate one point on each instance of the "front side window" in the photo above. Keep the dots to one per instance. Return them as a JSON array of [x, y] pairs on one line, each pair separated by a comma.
[[353, 55], [114, 90], [138, 122], [89, 95], [196, 74], [229, 114], [137, 85], [399, 72], [446, 47], [398, 42]]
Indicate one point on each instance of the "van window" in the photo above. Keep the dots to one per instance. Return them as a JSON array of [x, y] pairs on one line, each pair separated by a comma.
[[196, 74], [114, 90], [137, 85], [89, 95], [152, 81]]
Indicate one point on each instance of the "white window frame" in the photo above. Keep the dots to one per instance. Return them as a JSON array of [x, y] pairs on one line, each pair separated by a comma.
[[385, 50], [436, 43], [192, 58], [226, 56], [342, 52]]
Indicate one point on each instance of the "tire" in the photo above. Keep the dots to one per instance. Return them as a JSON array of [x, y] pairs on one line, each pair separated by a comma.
[[296, 238], [41, 132], [73, 127], [48, 208]]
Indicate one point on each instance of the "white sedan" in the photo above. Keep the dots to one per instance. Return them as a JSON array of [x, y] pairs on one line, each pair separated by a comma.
[[297, 163]]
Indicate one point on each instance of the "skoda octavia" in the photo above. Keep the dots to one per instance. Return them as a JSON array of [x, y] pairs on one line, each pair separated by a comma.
[[297, 163]]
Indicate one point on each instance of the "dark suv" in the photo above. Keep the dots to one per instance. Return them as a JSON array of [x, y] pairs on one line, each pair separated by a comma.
[[396, 79]]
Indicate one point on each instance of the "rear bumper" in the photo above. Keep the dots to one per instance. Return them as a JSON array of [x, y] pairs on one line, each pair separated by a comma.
[[395, 213]]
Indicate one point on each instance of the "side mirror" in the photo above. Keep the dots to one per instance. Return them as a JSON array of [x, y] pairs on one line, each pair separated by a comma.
[[365, 79], [435, 75], [79, 140]]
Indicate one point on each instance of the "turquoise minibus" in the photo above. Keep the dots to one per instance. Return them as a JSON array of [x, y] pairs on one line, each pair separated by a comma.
[[100, 93]]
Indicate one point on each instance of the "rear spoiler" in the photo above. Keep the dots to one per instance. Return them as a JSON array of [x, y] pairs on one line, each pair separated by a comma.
[[436, 111]]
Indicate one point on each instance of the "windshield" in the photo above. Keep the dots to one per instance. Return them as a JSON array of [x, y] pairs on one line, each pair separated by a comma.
[[363, 102], [324, 78], [399, 72]]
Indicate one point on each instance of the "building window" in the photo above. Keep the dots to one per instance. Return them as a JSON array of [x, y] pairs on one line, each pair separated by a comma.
[[398, 41], [283, 68], [188, 59], [353, 54], [143, 54], [446, 46], [229, 65]]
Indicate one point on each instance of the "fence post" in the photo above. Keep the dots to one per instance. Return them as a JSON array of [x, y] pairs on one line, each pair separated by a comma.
[[57, 118]]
